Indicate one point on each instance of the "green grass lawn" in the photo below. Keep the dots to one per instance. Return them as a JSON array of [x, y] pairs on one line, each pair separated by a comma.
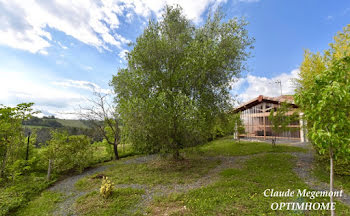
[[44, 205], [158, 172], [233, 190], [121, 202], [240, 191], [227, 147]]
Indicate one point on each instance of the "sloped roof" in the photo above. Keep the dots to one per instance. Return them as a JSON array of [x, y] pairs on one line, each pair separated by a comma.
[[275, 100]]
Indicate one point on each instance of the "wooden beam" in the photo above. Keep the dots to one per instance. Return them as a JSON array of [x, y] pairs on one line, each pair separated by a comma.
[[264, 119]]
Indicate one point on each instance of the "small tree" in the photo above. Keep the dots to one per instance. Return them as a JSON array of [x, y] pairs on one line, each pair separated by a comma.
[[324, 96], [66, 152], [326, 105], [238, 126], [103, 116], [281, 120]]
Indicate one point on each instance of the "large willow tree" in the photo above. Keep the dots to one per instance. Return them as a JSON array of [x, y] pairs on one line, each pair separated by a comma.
[[177, 80]]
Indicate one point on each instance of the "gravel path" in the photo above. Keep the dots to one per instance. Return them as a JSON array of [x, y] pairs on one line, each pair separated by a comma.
[[304, 168], [66, 187]]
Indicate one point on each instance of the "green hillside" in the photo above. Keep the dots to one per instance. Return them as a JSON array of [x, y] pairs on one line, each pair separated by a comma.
[[72, 123]]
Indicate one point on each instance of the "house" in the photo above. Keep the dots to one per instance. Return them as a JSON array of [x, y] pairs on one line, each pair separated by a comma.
[[255, 116]]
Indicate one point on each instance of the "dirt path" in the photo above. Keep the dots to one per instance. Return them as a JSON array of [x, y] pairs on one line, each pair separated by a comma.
[[304, 168]]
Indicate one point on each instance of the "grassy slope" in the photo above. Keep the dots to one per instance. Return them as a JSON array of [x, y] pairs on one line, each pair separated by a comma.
[[41, 206], [72, 123], [34, 126], [237, 191]]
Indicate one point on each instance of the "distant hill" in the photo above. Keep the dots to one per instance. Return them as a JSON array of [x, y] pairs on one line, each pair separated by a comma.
[[72, 123], [51, 122]]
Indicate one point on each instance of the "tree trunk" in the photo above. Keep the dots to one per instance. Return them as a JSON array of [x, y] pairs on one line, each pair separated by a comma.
[[27, 153], [49, 170], [331, 177], [115, 148], [3, 165], [176, 155]]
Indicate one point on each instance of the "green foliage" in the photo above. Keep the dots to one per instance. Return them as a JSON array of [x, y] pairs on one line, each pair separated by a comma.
[[42, 206], [341, 166], [316, 63], [13, 195], [177, 80], [12, 145], [227, 124], [325, 102], [21, 166], [236, 124], [341, 169], [326, 109], [69, 152], [21, 179]]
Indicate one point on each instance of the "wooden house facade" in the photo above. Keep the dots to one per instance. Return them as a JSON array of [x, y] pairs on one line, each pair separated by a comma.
[[255, 116]]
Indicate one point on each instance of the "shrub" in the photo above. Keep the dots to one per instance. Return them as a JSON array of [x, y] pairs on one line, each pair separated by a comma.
[[106, 187], [69, 152], [341, 166]]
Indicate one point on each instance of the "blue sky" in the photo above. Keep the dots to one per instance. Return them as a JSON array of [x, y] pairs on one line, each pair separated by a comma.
[[54, 54]]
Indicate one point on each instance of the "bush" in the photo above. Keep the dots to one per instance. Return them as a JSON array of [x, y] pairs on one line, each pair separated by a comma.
[[106, 187], [69, 152], [341, 166], [14, 195]]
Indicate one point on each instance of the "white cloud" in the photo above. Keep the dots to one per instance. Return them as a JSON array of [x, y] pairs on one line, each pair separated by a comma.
[[24, 24], [129, 17], [268, 86], [61, 98], [44, 52], [61, 45], [81, 84], [123, 54], [192, 9], [236, 84]]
